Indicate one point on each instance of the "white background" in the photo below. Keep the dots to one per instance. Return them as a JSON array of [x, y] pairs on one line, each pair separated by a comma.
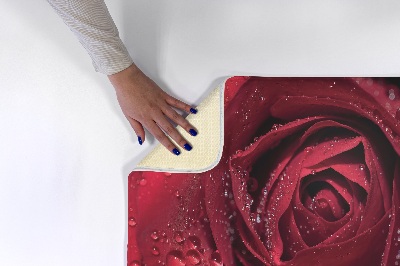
[[65, 147]]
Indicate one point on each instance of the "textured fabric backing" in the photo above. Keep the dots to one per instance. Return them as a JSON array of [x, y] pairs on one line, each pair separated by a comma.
[[207, 145]]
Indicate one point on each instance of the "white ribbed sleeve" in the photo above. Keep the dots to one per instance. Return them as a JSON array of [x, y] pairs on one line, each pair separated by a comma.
[[92, 23]]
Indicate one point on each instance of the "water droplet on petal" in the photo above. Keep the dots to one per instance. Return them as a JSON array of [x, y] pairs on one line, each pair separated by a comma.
[[361, 167], [391, 94], [167, 174], [179, 237], [155, 251], [193, 242], [177, 194], [313, 172], [134, 263], [175, 258], [143, 182], [216, 259], [132, 221], [193, 257], [154, 235]]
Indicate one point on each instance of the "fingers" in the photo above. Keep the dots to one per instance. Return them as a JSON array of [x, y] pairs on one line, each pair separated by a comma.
[[171, 131], [180, 105], [161, 137], [179, 120], [138, 128]]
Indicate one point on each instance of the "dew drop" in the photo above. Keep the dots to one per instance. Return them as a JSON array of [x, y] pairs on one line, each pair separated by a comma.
[[313, 172], [308, 149], [361, 167], [179, 237], [391, 94], [134, 263], [193, 257], [177, 194], [175, 258], [132, 221], [154, 235], [143, 182], [193, 242], [216, 259], [167, 174], [155, 251]]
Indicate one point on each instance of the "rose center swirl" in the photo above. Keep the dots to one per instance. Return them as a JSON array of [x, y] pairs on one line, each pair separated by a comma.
[[311, 184]]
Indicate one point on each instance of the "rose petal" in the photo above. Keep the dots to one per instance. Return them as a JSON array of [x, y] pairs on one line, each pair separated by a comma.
[[320, 154], [280, 197], [161, 213], [219, 210], [319, 230], [391, 253], [337, 188], [295, 107], [384, 93], [237, 184], [232, 86], [247, 260], [257, 250], [291, 236], [355, 251]]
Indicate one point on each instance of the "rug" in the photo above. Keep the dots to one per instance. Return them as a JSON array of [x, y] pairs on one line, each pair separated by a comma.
[[286, 171]]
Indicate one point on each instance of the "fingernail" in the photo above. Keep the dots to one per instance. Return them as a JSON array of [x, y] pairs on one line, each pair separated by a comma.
[[192, 132], [193, 111], [176, 152], [187, 147], [140, 140]]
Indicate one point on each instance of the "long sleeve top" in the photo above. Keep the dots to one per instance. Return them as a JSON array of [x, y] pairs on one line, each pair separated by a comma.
[[95, 29]]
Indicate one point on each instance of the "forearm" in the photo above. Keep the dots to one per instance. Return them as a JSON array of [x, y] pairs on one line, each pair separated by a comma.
[[92, 23]]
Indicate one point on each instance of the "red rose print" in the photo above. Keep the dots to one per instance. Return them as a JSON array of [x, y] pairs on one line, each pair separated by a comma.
[[309, 176]]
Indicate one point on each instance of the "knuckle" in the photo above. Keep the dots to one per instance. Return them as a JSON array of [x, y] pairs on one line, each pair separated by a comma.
[[175, 116], [169, 130], [182, 105], [171, 100], [175, 101], [160, 136], [153, 109]]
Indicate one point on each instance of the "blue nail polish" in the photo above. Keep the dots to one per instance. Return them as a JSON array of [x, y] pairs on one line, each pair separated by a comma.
[[192, 132], [176, 152], [193, 111], [140, 140], [187, 147]]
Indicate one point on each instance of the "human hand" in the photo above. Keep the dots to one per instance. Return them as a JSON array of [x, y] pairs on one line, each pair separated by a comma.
[[145, 104]]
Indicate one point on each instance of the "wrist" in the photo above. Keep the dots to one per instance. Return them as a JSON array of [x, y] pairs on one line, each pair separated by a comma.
[[132, 70], [118, 80]]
